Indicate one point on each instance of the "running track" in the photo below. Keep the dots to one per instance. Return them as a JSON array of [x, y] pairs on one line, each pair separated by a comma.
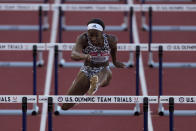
[[18, 81]]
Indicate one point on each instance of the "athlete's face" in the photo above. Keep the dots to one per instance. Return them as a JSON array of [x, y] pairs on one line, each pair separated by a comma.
[[95, 37]]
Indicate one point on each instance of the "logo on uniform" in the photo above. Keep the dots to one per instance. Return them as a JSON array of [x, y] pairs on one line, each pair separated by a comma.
[[94, 26]]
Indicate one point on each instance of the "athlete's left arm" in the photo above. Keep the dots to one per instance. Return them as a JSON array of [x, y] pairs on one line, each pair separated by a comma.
[[113, 45]]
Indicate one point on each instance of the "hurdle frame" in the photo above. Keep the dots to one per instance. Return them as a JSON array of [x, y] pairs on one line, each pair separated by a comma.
[[122, 27], [95, 99], [28, 27], [40, 61], [24, 110], [89, 0], [146, 27], [21, 0], [167, 0], [35, 108], [138, 99], [23, 100], [59, 111], [154, 64], [161, 110]]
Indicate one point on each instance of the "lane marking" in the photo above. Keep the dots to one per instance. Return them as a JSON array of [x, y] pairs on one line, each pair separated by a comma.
[[141, 71], [49, 67]]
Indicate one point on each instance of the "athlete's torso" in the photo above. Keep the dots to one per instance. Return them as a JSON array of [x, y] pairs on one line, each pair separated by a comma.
[[99, 54]]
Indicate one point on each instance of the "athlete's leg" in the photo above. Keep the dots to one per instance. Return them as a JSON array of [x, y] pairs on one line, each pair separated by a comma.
[[105, 75], [79, 87], [100, 80]]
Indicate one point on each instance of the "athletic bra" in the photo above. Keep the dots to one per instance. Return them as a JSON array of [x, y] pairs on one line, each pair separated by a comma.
[[98, 54]]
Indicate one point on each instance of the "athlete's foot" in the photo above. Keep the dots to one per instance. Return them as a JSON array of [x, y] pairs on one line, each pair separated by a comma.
[[93, 85]]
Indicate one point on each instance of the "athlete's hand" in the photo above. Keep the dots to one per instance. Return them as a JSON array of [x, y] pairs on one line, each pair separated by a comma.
[[119, 65], [87, 57]]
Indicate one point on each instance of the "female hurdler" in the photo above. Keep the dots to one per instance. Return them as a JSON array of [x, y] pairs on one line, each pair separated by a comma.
[[94, 47]]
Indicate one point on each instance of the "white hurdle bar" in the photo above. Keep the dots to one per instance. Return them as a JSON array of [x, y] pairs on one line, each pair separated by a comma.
[[132, 47], [126, 7], [21, 0], [92, 7], [120, 8], [168, 0], [99, 7], [167, 27], [120, 47], [20, 47], [95, 100], [26, 7], [121, 27], [18, 99], [177, 100], [93, 0]]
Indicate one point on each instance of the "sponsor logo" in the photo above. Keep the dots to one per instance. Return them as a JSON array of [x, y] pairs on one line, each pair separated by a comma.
[[14, 99], [164, 99], [43, 99], [60, 99], [31, 99], [152, 99], [181, 99], [135, 99]]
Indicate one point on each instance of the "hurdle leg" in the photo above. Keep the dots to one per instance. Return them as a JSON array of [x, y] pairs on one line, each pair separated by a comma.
[[136, 109], [40, 32], [145, 109], [171, 113], [24, 113], [130, 63], [50, 109]]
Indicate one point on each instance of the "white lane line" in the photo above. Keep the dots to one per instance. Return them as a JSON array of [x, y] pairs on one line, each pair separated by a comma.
[[49, 67], [141, 71]]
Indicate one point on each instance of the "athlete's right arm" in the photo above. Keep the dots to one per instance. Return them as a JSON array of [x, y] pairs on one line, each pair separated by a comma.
[[77, 49]]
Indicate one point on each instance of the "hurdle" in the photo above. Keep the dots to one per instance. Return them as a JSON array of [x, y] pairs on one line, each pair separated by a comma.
[[92, 7], [90, 0], [24, 47], [151, 62], [21, 0], [122, 27], [18, 7], [168, 7], [167, 0], [171, 100], [24, 99], [98, 100], [161, 107], [26, 7], [122, 47]]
